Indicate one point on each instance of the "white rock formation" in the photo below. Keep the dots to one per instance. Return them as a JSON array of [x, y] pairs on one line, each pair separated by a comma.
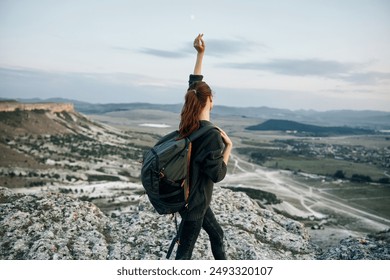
[[57, 226]]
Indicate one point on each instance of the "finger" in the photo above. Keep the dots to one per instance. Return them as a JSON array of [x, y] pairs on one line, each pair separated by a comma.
[[198, 39]]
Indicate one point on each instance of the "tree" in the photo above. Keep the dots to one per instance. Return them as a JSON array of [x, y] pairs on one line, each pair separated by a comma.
[[360, 178], [339, 174]]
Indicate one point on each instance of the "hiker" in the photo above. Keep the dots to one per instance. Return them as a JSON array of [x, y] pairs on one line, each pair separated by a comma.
[[210, 154]]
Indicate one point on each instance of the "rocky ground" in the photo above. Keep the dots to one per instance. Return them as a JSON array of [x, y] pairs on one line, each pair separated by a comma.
[[57, 226], [372, 247], [69, 189], [49, 225]]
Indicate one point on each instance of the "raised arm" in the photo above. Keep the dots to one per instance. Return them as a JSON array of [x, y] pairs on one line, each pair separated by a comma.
[[200, 47]]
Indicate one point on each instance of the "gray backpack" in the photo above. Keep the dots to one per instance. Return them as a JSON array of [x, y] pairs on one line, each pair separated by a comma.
[[165, 171]]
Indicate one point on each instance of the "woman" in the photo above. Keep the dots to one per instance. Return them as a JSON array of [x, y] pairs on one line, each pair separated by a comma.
[[210, 154]]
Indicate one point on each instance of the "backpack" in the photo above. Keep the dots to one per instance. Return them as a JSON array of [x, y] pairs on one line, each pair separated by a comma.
[[165, 175], [165, 171]]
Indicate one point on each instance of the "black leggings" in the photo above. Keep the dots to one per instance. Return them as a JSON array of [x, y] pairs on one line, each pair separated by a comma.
[[190, 233]]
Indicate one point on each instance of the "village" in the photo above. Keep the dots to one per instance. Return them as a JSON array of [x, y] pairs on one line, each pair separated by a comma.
[[378, 156]]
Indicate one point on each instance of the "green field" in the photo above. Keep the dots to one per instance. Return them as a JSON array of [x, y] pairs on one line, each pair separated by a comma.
[[356, 157], [325, 167]]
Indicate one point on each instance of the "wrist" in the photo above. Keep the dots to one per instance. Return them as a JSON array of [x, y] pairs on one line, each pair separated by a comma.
[[228, 146]]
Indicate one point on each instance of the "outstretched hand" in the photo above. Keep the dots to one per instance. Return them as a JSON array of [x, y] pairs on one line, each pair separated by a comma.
[[199, 44]]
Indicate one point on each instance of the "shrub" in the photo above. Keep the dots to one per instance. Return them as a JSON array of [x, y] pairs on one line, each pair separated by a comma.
[[384, 180], [339, 174], [360, 178]]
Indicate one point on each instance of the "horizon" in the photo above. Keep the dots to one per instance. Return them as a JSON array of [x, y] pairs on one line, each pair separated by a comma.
[[65, 100], [312, 55]]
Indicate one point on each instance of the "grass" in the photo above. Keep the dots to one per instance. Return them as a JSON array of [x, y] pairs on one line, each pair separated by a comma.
[[365, 156], [325, 166], [370, 196]]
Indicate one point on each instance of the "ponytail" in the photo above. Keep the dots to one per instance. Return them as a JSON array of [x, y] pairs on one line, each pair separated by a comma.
[[195, 100]]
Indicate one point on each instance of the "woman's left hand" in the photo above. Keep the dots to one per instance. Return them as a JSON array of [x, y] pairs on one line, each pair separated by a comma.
[[225, 138]]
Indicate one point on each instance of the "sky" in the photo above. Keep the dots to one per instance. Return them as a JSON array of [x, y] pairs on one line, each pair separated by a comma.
[[303, 54]]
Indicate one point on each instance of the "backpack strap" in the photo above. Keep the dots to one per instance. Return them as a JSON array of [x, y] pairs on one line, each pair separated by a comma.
[[176, 239], [196, 134]]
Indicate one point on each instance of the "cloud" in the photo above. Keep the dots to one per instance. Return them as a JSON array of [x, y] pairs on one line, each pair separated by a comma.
[[121, 49], [89, 87], [367, 77], [223, 47], [164, 53], [314, 67], [296, 67], [153, 52], [214, 47]]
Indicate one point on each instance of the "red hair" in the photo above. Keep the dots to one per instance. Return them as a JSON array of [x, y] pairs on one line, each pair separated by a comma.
[[195, 100]]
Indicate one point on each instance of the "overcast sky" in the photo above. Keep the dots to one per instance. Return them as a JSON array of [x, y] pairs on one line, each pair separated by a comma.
[[304, 54]]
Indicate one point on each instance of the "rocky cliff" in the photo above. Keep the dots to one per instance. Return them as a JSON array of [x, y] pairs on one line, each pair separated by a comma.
[[50, 225], [52, 107], [47, 158], [56, 226]]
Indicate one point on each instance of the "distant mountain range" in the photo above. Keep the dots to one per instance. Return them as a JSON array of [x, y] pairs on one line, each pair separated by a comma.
[[367, 119]]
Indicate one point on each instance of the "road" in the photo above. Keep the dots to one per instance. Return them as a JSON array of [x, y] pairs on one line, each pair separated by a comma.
[[301, 199]]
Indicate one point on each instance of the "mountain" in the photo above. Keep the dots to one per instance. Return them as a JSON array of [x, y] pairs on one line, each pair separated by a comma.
[[306, 129], [376, 120], [39, 147], [70, 189], [93, 108]]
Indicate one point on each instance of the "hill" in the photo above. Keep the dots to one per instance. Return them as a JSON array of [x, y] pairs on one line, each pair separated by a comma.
[[375, 120], [59, 162], [70, 189], [307, 129], [39, 147]]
